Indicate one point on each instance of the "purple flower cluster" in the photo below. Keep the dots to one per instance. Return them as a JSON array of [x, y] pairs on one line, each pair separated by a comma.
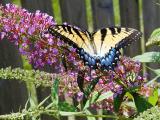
[[126, 75], [24, 30]]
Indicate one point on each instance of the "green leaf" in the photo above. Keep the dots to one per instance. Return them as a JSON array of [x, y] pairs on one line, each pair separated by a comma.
[[118, 101], [89, 89], [55, 98], [97, 97], [91, 86], [153, 98], [156, 71], [92, 99], [148, 57], [89, 113], [154, 38], [105, 95], [141, 103], [64, 106]]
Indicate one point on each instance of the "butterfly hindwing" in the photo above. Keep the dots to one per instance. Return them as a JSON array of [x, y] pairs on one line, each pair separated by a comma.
[[108, 41]]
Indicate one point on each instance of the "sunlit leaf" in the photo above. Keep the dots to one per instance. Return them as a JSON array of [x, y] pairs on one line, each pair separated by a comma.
[[105, 95], [153, 98], [129, 95], [148, 57], [154, 38], [157, 71]]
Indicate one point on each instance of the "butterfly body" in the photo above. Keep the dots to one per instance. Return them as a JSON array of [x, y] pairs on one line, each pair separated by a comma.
[[98, 49]]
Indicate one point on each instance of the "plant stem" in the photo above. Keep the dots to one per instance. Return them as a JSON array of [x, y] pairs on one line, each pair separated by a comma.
[[38, 112], [81, 114]]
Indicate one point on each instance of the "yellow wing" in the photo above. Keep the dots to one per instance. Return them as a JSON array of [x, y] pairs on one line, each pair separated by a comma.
[[73, 36], [113, 37]]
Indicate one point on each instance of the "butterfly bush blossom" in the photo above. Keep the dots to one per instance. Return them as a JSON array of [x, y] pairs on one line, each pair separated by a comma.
[[28, 31]]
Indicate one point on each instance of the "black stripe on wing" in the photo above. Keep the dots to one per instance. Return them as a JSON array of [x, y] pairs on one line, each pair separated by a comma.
[[54, 31], [135, 35]]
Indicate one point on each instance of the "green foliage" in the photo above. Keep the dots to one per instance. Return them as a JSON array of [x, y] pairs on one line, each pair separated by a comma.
[[31, 112], [141, 103], [150, 114], [57, 11], [26, 64], [91, 86], [105, 95], [118, 101], [17, 2], [153, 98], [90, 89], [151, 56], [39, 78], [97, 97], [92, 99], [148, 57], [154, 38], [64, 106]]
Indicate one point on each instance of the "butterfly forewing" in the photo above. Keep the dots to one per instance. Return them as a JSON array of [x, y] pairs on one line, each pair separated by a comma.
[[72, 35], [106, 38]]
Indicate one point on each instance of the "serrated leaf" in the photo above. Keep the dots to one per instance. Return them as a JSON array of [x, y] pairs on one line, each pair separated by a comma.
[[154, 97], [154, 39], [55, 98], [141, 103], [148, 57], [118, 101]]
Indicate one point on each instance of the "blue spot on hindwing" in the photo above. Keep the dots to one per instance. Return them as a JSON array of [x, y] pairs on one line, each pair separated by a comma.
[[102, 61], [82, 52], [89, 61], [107, 61], [113, 52], [111, 58], [93, 62], [86, 57]]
